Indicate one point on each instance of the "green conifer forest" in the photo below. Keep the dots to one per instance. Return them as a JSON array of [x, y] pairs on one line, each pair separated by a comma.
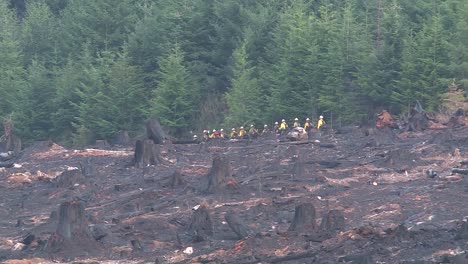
[[78, 70]]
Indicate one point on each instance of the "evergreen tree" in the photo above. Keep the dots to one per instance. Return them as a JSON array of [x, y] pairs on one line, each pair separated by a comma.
[[105, 24], [12, 75], [244, 97], [126, 95], [290, 72], [34, 115], [459, 47], [173, 99], [39, 33]]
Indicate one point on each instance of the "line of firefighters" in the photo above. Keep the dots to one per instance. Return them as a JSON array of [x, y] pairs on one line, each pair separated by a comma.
[[278, 129]]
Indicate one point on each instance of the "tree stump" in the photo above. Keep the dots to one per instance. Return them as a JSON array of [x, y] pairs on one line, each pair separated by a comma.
[[463, 231], [72, 233], [236, 224], [87, 168], [298, 168], [121, 138], [418, 121], [155, 132], [304, 218], [101, 144], [10, 143], [334, 221], [201, 225], [176, 179], [381, 137], [69, 178], [146, 153], [219, 173]]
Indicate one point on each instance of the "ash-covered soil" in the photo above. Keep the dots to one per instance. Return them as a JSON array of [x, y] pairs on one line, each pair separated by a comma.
[[400, 200]]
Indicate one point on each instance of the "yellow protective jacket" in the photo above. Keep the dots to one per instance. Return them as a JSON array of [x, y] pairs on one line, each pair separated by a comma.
[[320, 123], [241, 132], [233, 134], [296, 124], [283, 126], [253, 131], [306, 125]]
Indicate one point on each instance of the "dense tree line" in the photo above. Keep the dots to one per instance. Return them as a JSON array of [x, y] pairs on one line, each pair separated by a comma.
[[78, 70]]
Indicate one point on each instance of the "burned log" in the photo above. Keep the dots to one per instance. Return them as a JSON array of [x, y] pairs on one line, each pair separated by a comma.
[[72, 231], [460, 171], [6, 164], [220, 172], [155, 132], [69, 178], [304, 218], [333, 222], [201, 225], [236, 224], [146, 153], [6, 156]]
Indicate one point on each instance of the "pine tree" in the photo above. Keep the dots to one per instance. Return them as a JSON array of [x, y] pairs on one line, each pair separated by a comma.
[[39, 38], [244, 97], [12, 75], [34, 115], [173, 99], [290, 73], [458, 45], [125, 90]]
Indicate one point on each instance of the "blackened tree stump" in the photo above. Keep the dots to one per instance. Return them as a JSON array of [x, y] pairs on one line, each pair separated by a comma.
[[176, 179], [155, 132], [87, 168], [69, 178], [304, 218], [463, 231], [236, 224], [333, 222], [220, 172], [72, 233], [146, 153], [121, 138], [201, 225]]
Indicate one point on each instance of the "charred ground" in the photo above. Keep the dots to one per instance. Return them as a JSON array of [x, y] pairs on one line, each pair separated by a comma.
[[398, 195]]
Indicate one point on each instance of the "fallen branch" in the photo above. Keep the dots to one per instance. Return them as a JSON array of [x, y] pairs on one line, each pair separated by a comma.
[[460, 171]]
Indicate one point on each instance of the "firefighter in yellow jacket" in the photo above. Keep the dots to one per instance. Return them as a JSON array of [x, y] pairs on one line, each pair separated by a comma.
[[320, 123], [241, 132], [233, 133], [307, 124], [253, 132], [296, 123], [283, 125]]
